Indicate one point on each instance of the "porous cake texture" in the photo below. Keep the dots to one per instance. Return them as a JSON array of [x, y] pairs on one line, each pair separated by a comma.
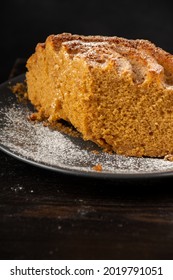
[[116, 92]]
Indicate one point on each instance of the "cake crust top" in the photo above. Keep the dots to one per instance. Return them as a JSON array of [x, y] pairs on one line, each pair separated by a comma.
[[139, 54]]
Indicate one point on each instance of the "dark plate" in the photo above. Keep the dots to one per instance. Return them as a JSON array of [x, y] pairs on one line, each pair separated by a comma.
[[52, 149]]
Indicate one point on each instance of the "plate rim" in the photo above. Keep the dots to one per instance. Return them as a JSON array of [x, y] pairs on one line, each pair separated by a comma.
[[88, 174]]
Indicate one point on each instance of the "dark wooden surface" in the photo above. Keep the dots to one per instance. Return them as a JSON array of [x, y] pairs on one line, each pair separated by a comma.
[[48, 215]]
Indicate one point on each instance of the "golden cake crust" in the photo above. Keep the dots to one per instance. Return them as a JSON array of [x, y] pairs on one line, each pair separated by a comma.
[[74, 43], [95, 49]]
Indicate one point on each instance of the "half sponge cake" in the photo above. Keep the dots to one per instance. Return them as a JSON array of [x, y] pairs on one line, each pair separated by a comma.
[[116, 92]]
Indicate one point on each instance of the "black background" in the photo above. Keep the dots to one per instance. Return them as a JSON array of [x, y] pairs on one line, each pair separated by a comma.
[[25, 23]]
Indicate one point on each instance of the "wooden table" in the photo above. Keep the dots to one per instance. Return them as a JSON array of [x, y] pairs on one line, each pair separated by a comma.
[[48, 215]]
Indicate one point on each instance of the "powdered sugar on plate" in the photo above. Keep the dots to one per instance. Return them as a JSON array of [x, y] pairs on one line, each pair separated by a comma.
[[54, 149]]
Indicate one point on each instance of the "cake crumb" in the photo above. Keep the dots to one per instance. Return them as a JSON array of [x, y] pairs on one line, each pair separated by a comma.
[[169, 157], [20, 90], [97, 167], [36, 116], [95, 152]]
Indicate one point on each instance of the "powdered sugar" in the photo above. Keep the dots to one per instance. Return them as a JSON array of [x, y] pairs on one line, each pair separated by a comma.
[[57, 150]]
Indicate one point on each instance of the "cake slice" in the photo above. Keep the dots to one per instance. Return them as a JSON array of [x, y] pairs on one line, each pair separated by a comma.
[[116, 92]]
